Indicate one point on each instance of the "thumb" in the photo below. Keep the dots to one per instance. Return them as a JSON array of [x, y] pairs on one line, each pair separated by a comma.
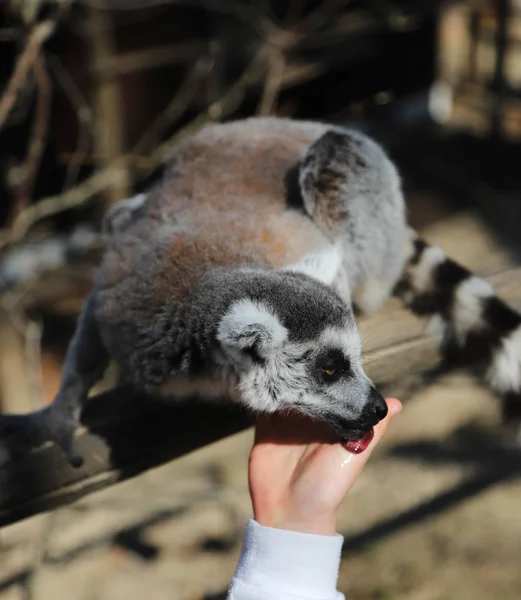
[[395, 407], [354, 463]]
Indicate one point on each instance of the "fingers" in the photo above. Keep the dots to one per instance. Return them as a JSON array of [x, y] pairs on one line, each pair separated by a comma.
[[352, 464], [313, 478], [395, 407]]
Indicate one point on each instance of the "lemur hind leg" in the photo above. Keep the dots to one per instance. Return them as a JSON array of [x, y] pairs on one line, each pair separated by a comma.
[[85, 363], [473, 325], [352, 191], [370, 294]]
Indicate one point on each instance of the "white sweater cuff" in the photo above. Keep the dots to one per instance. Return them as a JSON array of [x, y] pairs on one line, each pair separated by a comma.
[[287, 562]]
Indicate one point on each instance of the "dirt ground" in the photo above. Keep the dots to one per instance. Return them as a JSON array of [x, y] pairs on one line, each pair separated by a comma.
[[435, 515]]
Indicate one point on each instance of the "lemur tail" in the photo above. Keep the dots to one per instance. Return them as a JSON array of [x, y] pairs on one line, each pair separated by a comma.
[[473, 323]]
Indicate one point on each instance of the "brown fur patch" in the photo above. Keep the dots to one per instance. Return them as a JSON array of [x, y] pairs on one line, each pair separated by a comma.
[[222, 203]]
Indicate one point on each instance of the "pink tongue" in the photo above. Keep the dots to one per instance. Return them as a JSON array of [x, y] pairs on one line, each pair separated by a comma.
[[358, 446]]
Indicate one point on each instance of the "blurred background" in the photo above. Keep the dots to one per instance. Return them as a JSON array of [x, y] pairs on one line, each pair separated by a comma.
[[93, 95]]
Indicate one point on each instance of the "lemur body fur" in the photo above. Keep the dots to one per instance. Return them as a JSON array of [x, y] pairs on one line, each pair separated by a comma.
[[238, 273]]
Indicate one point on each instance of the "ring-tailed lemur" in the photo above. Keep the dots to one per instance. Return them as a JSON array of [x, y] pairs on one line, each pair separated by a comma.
[[236, 276]]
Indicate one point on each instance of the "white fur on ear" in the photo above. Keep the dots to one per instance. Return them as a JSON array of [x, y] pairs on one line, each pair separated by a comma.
[[249, 324], [324, 265]]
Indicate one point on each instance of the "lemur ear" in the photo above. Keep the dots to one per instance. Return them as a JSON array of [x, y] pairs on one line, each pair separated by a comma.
[[323, 266], [250, 327]]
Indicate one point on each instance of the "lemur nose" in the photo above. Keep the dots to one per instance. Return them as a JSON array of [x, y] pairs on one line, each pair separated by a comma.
[[376, 407], [378, 403]]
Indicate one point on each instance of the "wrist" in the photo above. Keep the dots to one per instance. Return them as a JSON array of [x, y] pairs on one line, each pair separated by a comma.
[[315, 526], [317, 523]]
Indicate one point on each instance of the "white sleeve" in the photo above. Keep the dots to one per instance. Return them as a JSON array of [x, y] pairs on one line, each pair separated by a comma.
[[277, 564]]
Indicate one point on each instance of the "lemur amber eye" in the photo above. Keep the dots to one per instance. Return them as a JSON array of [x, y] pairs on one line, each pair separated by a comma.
[[329, 372], [331, 366]]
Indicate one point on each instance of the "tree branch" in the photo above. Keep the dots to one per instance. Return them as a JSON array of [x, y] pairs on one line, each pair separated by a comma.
[[109, 139], [39, 35], [54, 204], [38, 136], [116, 174]]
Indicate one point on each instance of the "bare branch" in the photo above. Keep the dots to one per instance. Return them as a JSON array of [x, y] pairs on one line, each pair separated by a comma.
[[221, 108], [299, 73], [39, 35], [177, 105], [55, 204], [109, 140], [115, 174], [148, 58], [83, 114], [273, 83], [240, 11], [38, 136]]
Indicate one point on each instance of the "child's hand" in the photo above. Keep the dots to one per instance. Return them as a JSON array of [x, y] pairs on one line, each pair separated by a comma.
[[297, 482]]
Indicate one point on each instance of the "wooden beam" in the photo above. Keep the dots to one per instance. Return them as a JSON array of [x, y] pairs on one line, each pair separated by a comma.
[[126, 433]]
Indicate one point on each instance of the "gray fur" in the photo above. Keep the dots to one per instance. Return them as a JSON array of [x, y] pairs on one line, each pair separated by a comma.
[[122, 214], [364, 209], [168, 337], [238, 273]]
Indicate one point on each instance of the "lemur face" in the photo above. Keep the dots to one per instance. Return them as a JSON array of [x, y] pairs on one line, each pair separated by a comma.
[[320, 377]]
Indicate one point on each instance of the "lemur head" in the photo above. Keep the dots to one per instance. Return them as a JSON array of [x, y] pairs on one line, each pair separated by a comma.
[[295, 345]]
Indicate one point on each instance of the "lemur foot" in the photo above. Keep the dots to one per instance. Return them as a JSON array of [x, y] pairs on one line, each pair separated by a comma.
[[20, 433]]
